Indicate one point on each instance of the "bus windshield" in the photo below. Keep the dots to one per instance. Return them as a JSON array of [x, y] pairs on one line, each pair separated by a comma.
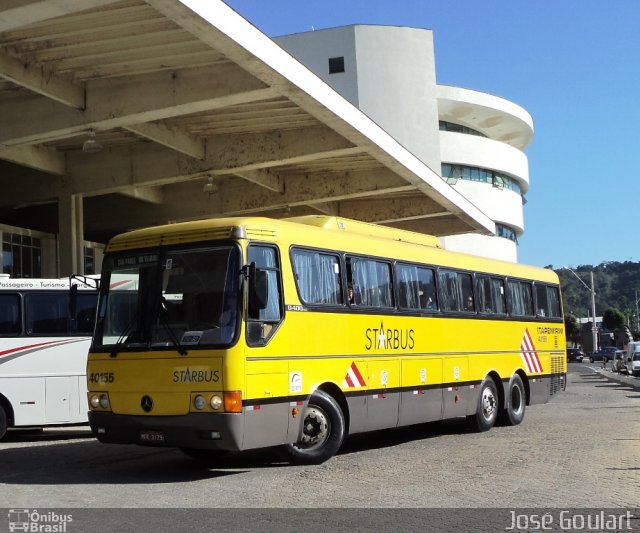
[[175, 298]]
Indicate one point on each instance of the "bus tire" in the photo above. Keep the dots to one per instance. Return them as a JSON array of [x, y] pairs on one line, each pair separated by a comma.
[[487, 409], [323, 430], [3, 422], [205, 457], [515, 402]]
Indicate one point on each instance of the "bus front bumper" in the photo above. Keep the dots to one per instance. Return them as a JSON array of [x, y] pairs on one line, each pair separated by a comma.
[[202, 431]]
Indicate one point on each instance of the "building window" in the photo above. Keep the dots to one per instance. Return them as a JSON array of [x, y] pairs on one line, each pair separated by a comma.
[[506, 232], [457, 128], [496, 179], [336, 65], [21, 256], [89, 261]]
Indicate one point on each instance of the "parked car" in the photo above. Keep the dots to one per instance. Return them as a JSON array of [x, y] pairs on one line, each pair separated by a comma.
[[633, 364], [603, 354], [574, 355]]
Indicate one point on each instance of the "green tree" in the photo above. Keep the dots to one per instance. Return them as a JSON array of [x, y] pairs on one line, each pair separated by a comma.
[[613, 319], [572, 329]]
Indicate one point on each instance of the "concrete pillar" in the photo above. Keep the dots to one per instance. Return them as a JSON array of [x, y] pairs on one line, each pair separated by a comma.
[[71, 235]]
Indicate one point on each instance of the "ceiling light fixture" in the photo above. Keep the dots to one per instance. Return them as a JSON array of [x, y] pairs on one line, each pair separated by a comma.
[[91, 145], [210, 187]]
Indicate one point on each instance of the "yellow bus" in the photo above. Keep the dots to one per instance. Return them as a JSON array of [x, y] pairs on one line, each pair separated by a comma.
[[241, 333]]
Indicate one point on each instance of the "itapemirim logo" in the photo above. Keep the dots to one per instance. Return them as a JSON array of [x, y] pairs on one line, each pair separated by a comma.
[[34, 521]]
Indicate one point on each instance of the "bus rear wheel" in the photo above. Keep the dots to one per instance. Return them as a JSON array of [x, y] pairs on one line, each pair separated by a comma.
[[3, 422], [515, 402], [487, 409], [323, 430]]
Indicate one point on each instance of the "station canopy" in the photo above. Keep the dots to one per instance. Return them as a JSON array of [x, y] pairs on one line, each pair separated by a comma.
[[164, 110]]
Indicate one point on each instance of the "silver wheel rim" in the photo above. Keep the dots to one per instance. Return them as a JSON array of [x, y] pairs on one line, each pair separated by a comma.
[[489, 404], [315, 429]]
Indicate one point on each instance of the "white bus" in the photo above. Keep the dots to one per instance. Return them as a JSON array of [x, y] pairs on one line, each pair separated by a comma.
[[43, 351]]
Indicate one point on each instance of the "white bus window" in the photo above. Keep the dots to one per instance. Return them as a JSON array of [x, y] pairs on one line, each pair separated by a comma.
[[46, 314], [10, 323], [85, 313]]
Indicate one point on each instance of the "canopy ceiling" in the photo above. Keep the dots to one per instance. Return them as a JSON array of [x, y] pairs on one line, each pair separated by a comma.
[[190, 112]]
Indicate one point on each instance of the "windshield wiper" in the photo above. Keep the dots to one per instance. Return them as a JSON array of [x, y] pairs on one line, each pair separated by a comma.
[[122, 339], [168, 329]]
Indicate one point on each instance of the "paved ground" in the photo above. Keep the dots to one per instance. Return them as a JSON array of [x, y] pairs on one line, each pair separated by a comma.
[[582, 449]]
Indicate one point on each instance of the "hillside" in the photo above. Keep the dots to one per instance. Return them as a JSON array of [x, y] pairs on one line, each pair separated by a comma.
[[617, 285]]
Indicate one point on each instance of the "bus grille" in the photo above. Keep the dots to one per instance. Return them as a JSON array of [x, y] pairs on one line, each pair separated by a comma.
[[557, 374]]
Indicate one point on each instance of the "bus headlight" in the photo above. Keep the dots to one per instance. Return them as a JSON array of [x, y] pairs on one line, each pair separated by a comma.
[[199, 402], [104, 401], [99, 401], [95, 401], [216, 402]]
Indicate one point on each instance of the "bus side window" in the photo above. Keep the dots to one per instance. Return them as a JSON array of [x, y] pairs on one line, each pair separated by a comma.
[[547, 301], [490, 295], [466, 282], [456, 291], [10, 323], [262, 326], [317, 277], [520, 301], [553, 297], [416, 287], [370, 280], [541, 300]]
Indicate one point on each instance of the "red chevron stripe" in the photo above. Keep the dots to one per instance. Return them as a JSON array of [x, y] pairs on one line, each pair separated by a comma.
[[355, 370]]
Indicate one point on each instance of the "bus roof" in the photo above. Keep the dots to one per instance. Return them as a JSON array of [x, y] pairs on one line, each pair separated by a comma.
[[330, 232]]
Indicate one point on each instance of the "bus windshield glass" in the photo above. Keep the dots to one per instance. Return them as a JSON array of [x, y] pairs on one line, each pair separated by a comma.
[[178, 298]]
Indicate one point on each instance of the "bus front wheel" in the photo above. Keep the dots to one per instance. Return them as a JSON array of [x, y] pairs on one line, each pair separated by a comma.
[[323, 430], [487, 409], [3, 422], [515, 402]]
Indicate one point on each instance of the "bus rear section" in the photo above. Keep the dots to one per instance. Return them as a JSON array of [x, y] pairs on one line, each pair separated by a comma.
[[43, 352]]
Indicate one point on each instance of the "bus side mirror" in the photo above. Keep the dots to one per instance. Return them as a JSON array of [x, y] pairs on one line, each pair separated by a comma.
[[258, 289], [73, 301]]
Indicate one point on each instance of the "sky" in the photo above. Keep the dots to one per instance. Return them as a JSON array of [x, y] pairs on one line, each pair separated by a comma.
[[574, 65]]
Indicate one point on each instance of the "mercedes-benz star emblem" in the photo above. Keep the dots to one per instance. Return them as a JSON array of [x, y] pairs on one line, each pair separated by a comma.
[[146, 403]]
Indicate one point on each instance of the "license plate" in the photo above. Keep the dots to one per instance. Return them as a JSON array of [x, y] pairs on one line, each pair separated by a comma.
[[151, 436]]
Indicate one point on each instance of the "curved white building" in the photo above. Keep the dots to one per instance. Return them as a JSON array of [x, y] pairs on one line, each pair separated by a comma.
[[473, 139]]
